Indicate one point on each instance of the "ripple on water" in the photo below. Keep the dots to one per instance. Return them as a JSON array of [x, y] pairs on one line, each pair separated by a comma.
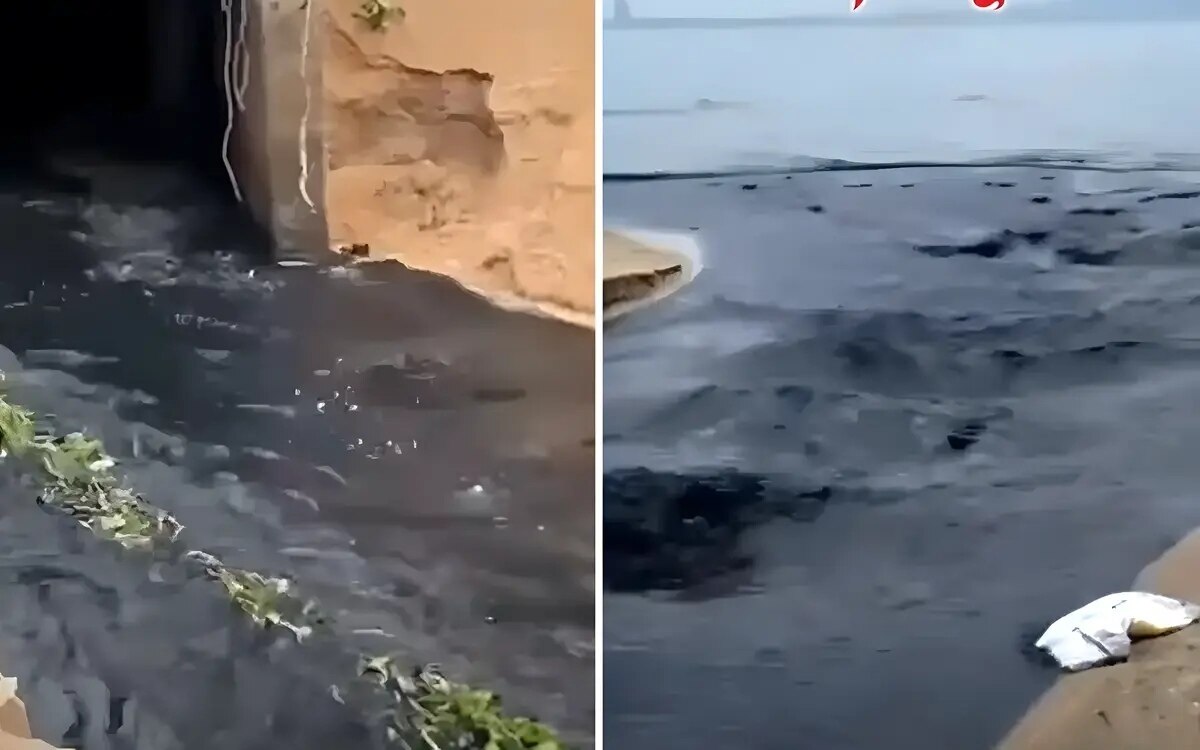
[[943, 399], [192, 382]]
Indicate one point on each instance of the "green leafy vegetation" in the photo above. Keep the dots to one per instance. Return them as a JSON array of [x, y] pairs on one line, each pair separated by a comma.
[[443, 714], [428, 711], [77, 481], [268, 602], [16, 429], [378, 14]]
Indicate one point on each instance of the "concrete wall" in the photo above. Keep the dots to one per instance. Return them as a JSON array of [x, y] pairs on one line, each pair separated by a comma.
[[267, 140], [462, 141]]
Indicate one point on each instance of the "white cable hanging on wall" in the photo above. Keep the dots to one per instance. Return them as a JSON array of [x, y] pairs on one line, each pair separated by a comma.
[[231, 89], [236, 77], [241, 57], [303, 182]]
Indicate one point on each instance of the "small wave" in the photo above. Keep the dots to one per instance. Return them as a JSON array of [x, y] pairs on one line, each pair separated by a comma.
[[66, 358]]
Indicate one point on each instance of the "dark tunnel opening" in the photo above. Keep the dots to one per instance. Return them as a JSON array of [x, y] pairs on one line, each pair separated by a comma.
[[127, 80]]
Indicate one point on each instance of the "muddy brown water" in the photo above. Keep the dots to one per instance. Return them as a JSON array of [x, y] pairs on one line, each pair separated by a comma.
[[417, 460]]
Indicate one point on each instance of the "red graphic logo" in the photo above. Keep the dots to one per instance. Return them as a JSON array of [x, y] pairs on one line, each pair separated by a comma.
[[981, 4]]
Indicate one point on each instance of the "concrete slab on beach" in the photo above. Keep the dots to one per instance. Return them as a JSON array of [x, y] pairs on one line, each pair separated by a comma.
[[638, 271]]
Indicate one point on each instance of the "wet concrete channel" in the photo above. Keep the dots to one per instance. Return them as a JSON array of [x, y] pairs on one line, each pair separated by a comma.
[[414, 458]]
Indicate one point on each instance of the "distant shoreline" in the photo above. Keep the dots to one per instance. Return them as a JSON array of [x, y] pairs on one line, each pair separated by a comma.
[[1008, 19]]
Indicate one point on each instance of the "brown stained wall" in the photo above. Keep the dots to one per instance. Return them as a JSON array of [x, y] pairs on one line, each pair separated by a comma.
[[461, 140]]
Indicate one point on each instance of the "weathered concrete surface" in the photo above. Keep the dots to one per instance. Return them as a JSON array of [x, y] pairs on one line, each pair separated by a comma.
[[458, 140], [283, 119], [643, 269], [462, 141]]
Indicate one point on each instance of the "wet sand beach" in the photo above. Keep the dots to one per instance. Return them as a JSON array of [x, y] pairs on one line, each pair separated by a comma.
[[1151, 701]]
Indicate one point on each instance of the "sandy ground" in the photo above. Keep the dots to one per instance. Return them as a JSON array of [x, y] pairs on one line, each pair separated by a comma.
[[637, 273], [461, 141], [1151, 702], [14, 722]]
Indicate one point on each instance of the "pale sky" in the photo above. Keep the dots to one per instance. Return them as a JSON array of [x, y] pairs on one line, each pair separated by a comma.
[[761, 8]]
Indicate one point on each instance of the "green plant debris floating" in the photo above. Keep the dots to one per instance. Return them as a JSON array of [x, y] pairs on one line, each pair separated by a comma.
[[428, 711], [448, 715], [378, 14]]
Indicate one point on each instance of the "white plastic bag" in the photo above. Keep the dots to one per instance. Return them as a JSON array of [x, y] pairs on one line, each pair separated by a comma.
[[1101, 632]]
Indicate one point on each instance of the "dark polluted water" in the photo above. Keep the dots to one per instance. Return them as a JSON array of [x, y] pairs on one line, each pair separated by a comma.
[[902, 420], [413, 458]]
